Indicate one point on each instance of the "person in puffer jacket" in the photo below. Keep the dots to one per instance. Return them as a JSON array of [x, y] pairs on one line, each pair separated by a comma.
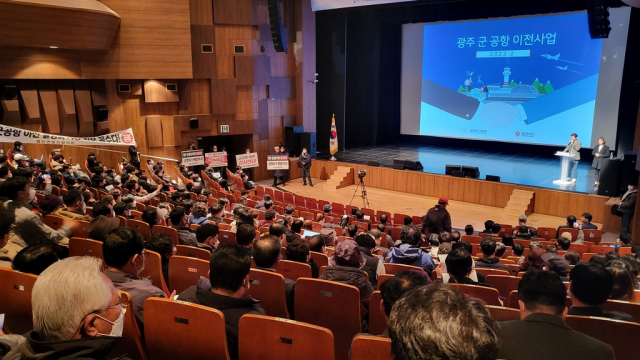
[[409, 253], [345, 267]]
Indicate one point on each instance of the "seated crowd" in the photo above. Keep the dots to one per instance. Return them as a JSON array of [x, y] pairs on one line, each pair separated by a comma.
[[77, 311]]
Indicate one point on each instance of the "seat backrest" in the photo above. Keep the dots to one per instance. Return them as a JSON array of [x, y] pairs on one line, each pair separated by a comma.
[[53, 221], [472, 239], [194, 252], [293, 339], [619, 334], [289, 199], [140, 226], [173, 233], [547, 233], [226, 237], [505, 284], [398, 219], [506, 229], [377, 322], [500, 313], [299, 201], [361, 225], [311, 203], [395, 233], [260, 190], [601, 249], [319, 258], [594, 236], [170, 325], [16, 288], [630, 308], [268, 287], [514, 298], [224, 226], [331, 305], [487, 271], [486, 294], [624, 250], [153, 271], [392, 269], [293, 270], [131, 342], [572, 231], [85, 247], [123, 221], [580, 248], [137, 215], [338, 208], [382, 278], [369, 347], [278, 195], [185, 272]]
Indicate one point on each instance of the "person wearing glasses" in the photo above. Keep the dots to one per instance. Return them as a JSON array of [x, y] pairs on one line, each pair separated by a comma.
[[76, 313], [125, 256]]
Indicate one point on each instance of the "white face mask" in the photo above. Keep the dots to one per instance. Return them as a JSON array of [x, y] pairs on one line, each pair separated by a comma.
[[139, 271], [32, 194], [117, 326], [304, 152], [84, 207]]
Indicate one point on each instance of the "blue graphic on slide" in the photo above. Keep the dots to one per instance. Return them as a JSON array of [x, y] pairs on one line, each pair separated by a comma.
[[531, 80]]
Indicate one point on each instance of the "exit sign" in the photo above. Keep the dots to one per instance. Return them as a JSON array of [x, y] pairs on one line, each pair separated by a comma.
[[224, 129]]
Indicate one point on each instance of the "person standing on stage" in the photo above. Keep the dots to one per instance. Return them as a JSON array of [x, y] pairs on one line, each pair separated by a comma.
[[134, 156], [437, 219], [627, 206], [277, 173], [304, 163], [599, 152], [574, 149]]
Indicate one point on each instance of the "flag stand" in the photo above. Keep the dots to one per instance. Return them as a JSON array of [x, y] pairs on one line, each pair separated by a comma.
[[333, 140], [333, 158]]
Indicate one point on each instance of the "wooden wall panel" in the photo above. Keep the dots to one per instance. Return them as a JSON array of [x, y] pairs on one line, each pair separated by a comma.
[[195, 96], [472, 190], [84, 108], [427, 186], [281, 88], [236, 12], [487, 194], [413, 183], [29, 100], [98, 93], [223, 96], [154, 131], [49, 107], [204, 64], [10, 113], [67, 109], [456, 188], [155, 91], [306, 65], [201, 12], [400, 181]]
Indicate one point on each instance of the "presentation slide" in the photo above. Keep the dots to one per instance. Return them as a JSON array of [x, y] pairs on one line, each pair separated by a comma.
[[530, 80]]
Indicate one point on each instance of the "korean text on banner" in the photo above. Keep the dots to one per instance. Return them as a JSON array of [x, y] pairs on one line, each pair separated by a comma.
[[11, 134], [247, 161], [193, 157], [216, 159], [277, 162]]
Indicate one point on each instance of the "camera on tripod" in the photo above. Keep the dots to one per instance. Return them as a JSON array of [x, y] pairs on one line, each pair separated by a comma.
[[362, 174]]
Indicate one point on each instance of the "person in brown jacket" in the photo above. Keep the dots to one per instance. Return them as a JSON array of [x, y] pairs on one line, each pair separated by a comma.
[[76, 207]]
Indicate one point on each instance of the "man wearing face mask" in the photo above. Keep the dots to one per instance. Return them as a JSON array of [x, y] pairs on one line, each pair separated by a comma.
[[304, 163], [28, 228], [124, 254], [76, 207], [77, 313]]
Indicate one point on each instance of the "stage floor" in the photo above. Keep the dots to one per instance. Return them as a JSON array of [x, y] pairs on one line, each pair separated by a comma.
[[521, 169]]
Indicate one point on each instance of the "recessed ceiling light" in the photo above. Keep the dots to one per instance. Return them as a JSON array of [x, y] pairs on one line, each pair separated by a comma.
[[53, 47]]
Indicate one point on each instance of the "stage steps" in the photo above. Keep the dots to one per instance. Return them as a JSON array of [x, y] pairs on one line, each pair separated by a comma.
[[520, 202], [341, 177]]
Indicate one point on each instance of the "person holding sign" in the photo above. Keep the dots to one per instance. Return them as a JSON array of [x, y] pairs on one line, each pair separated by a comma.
[[278, 173], [304, 163]]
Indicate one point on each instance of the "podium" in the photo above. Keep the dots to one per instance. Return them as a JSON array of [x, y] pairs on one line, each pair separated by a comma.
[[565, 168]]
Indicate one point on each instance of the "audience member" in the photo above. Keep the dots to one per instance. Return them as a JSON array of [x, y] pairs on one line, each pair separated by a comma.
[[389, 243], [316, 244], [217, 213], [76, 313], [266, 255], [571, 223], [409, 252], [437, 218], [542, 333], [625, 240], [523, 233], [572, 256], [76, 208], [207, 237], [380, 248], [459, 327], [279, 231], [393, 289], [563, 243], [468, 230], [345, 266], [298, 251], [459, 267], [329, 236], [599, 259], [125, 256], [34, 259], [488, 227], [154, 216], [557, 264], [518, 250], [6, 221], [551, 249], [179, 220], [49, 204], [373, 266], [586, 222], [612, 255], [455, 236], [225, 291], [100, 226], [444, 237], [163, 245], [533, 261], [590, 287], [623, 283], [124, 210], [246, 237], [383, 220], [198, 214], [489, 259]]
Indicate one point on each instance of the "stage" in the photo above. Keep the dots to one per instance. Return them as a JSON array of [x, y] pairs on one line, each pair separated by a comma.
[[514, 168]]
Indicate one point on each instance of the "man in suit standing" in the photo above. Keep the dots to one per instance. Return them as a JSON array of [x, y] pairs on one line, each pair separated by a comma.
[[542, 333], [277, 173], [574, 149], [304, 163], [599, 152]]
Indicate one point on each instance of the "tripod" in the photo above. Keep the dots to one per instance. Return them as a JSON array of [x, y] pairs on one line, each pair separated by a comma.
[[363, 195]]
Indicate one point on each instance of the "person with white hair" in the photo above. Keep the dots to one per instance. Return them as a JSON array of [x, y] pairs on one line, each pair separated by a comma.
[[76, 313]]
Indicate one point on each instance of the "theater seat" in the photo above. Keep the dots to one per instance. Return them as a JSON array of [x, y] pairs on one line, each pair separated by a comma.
[[85, 247], [185, 272], [500, 313], [267, 338], [194, 252], [368, 347], [268, 287], [486, 294], [15, 303], [181, 330], [131, 342], [621, 335], [377, 322], [293, 270], [153, 271]]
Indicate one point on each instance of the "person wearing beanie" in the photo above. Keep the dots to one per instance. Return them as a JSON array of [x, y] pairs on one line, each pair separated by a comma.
[[49, 204], [101, 226]]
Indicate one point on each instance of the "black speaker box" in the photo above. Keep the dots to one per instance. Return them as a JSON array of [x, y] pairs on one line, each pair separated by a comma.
[[277, 30], [193, 123], [308, 141], [457, 173], [413, 165], [610, 177], [373, 163], [449, 169], [399, 164], [292, 139], [9, 92], [471, 172], [493, 178], [102, 114]]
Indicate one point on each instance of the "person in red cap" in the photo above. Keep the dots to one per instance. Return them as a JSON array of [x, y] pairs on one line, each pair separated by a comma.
[[437, 219]]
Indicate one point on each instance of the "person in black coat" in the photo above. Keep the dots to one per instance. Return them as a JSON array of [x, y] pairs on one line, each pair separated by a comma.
[[601, 151], [134, 156]]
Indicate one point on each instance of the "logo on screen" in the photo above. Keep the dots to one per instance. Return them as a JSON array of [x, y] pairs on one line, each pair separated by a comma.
[[517, 133]]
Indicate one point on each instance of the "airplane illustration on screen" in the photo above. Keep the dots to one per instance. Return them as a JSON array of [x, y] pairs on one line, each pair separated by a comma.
[[562, 68], [549, 57]]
